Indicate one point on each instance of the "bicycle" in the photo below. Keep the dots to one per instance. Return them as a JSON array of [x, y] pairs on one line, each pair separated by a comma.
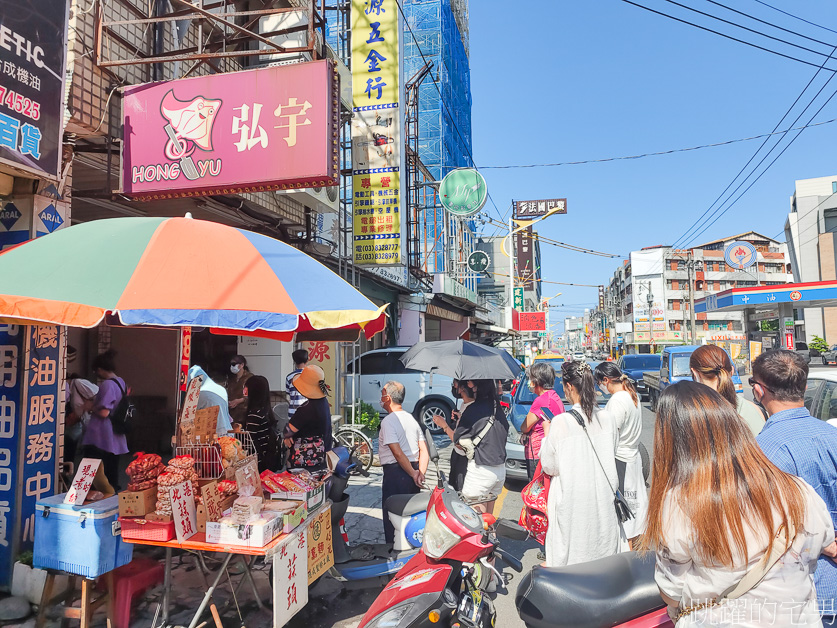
[[353, 439]]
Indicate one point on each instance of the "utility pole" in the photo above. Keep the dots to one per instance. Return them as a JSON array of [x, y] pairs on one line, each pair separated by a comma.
[[650, 300], [690, 267]]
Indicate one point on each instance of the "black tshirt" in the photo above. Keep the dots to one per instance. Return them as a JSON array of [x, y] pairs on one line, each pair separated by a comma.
[[313, 418], [491, 451]]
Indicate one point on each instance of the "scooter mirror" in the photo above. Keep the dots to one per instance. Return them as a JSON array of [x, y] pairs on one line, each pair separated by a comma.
[[511, 530], [431, 446]]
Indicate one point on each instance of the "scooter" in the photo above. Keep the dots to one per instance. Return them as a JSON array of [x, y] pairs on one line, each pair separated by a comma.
[[618, 591], [444, 584], [373, 565]]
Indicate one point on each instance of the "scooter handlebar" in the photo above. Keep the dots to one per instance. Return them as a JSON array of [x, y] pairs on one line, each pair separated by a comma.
[[510, 560]]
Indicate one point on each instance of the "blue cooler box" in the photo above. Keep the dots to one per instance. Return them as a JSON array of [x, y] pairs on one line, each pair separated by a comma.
[[82, 540]]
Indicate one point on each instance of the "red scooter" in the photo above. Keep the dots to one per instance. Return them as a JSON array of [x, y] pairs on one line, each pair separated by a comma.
[[614, 592], [444, 584]]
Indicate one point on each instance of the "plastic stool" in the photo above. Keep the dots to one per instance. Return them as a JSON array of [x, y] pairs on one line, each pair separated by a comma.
[[131, 581]]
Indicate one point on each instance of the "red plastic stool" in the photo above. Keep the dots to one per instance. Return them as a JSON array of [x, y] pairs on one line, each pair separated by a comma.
[[131, 581]]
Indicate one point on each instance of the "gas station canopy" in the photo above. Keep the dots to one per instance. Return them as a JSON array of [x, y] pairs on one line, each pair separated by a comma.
[[812, 294]]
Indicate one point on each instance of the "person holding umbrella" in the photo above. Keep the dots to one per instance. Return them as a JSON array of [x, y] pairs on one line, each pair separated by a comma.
[[481, 434], [458, 460]]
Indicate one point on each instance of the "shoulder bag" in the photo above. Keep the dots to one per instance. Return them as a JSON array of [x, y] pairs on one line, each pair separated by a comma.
[[752, 578], [469, 445], [623, 511]]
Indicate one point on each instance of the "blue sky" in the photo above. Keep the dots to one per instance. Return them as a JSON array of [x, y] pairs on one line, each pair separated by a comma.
[[575, 80]]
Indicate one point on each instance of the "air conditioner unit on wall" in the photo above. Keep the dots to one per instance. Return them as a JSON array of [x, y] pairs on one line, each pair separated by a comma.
[[322, 200]]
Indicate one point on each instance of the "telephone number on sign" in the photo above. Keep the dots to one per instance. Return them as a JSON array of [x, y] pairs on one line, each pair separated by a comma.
[[20, 104], [376, 247], [375, 257]]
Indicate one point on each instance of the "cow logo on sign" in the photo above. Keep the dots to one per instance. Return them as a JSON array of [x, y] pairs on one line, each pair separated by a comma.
[[740, 255]]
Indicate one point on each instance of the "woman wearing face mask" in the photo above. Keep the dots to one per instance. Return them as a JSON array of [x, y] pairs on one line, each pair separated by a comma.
[[236, 380], [546, 405], [458, 461], [710, 365], [582, 523], [624, 406]]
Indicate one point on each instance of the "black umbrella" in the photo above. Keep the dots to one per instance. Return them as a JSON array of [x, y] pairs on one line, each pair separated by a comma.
[[462, 359]]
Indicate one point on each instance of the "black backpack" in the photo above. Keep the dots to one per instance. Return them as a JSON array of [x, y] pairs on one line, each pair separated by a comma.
[[122, 416]]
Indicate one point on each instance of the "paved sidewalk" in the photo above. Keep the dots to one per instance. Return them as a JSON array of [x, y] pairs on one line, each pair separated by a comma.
[[363, 519]]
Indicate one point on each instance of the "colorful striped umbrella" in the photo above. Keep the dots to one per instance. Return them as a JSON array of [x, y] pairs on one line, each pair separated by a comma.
[[172, 272]]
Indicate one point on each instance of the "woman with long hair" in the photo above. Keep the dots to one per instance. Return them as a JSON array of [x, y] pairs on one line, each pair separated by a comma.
[[261, 422], [484, 423], [720, 510], [546, 405], [627, 415], [711, 365], [579, 455]]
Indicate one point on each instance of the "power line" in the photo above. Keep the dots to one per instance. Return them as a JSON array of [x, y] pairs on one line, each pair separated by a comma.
[[787, 146], [698, 224], [571, 247], [657, 153], [781, 28], [741, 41], [796, 17], [720, 19]]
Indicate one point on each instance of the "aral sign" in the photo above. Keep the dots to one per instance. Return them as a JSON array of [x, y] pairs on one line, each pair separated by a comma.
[[251, 131]]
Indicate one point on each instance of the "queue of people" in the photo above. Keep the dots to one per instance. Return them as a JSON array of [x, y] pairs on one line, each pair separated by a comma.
[[742, 509]]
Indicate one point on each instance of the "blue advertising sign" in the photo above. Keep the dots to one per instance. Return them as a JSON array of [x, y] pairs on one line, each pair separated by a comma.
[[740, 255], [51, 219], [13, 230], [11, 350], [39, 443]]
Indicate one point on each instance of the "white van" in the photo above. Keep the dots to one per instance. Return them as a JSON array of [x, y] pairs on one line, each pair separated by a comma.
[[426, 394]]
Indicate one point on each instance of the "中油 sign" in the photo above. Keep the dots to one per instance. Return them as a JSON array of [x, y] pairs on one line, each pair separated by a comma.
[[478, 261], [33, 51], [250, 131], [740, 255], [463, 192]]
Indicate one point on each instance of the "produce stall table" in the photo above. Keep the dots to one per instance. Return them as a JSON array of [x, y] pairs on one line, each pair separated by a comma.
[[290, 555]]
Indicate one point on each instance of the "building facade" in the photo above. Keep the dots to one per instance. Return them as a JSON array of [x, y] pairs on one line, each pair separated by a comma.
[[647, 301], [811, 233]]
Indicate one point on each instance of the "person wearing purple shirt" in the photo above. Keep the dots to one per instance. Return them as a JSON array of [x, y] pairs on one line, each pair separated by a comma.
[[99, 439]]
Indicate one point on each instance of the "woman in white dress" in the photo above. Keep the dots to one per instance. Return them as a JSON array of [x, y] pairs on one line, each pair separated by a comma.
[[717, 507], [625, 408], [582, 521]]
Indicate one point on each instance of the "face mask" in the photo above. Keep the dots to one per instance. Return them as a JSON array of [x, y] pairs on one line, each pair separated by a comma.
[[235, 368], [454, 391]]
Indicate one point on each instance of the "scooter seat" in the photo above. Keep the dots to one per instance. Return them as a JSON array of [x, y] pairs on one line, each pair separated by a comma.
[[605, 592], [409, 504]]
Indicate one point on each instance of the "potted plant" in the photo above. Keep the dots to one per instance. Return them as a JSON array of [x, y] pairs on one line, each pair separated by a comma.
[[28, 581]]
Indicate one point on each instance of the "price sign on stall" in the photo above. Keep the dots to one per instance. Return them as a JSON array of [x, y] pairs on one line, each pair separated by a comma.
[[83, 481], [206, 422], [183, 510], [320, 552], [212, 501], [290, 577], [190, 408], [247, 476]]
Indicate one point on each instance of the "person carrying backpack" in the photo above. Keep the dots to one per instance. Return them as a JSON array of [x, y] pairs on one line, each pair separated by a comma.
[[100, 439]]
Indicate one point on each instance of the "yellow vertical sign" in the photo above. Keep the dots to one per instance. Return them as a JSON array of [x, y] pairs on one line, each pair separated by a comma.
[[376, 133]]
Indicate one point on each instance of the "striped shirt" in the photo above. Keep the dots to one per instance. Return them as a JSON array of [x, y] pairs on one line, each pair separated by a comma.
[[295, 399], [799, 444]]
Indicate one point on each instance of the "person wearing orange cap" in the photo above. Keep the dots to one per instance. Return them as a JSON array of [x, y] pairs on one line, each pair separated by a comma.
[[308, 434]]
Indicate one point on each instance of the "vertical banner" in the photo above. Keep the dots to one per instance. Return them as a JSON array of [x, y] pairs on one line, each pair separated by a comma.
[[185, 356], [324, 355], [525, 258], [40, 435], [290, 577], [376, 133], [11, 350], [755, 350]]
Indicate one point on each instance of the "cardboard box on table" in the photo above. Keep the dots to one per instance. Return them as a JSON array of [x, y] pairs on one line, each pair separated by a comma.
[[137, 503]]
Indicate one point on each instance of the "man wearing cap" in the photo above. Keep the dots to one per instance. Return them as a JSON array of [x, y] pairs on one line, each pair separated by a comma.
[[300, 358], [402, 451]]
